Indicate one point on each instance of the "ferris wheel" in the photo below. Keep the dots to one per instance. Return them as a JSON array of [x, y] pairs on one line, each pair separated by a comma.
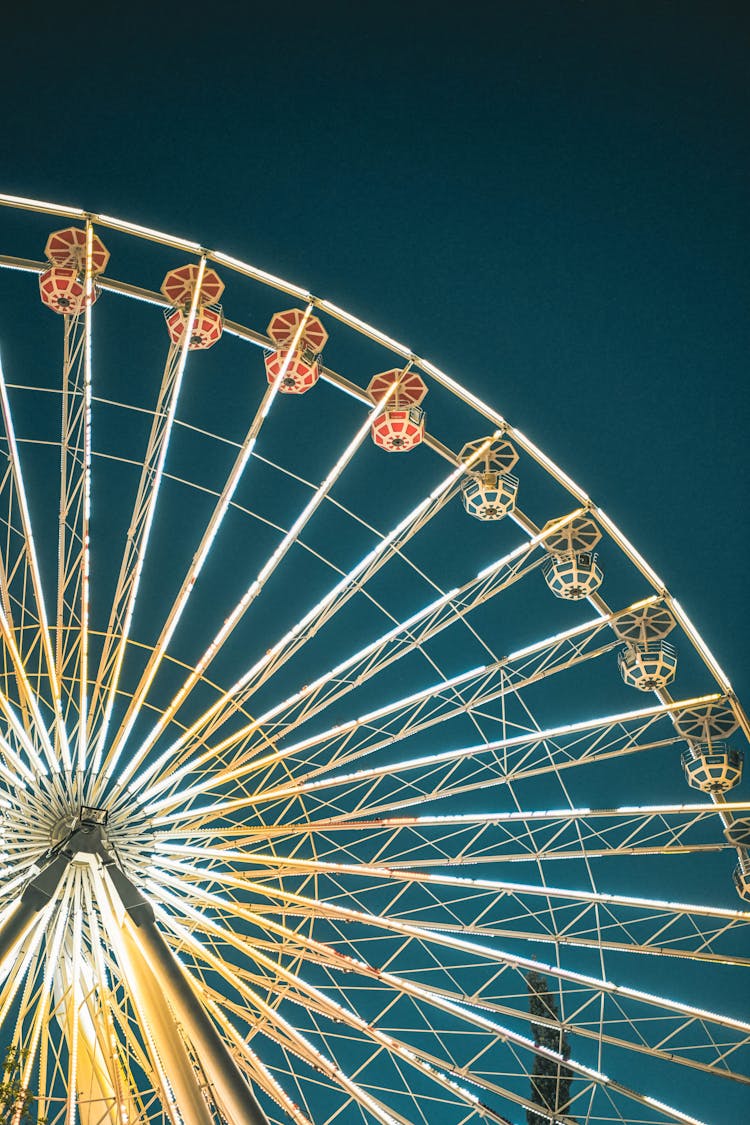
[[354, 766]]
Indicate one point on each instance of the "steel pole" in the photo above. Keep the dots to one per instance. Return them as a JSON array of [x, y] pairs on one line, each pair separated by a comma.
[[173, 1055], [34, 898], [232, 1092]]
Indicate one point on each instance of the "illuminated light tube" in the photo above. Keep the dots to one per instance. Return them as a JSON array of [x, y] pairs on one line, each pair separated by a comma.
[[417, 695], [38, 593], [670, 1110], [157, 473], [328, 598], [479, 818], [189, 582], [478, 748], [400, 628], [409, 987], [165, 849], [148, 232], [23, 267], [566, 814], [351, 1017], [550, 465], [368, 329], [700, 644], [145, 298], [425, 692], [38, 204], [339, 728], [261, 275], [329, 1067], [628, 547], [468, 396], [257, 585]]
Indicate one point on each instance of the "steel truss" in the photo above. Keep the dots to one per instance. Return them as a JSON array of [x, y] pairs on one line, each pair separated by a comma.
[[302, 774]]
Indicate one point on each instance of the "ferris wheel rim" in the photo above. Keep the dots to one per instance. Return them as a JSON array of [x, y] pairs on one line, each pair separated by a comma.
[[406, 353], [448, 383]]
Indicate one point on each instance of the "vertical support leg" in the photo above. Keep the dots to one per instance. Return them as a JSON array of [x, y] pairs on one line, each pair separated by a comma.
[[233, 1094], [35, 897], [173, 1056]]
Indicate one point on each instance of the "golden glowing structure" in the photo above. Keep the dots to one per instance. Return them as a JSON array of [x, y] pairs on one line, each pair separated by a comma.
[[303, 769]]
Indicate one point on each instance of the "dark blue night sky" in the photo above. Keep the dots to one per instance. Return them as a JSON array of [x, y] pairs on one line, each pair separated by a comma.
[[547, 199]]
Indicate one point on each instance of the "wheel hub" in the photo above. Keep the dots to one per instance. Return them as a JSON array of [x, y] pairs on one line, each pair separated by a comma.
[[54, 813]]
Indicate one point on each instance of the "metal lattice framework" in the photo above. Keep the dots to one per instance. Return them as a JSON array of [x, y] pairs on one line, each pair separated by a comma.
[[310, 753]]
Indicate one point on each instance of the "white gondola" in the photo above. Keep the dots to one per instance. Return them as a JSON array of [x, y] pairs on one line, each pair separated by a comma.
[[712, 768], [648, 667], [489, 489], [489, 496], [573, 575]]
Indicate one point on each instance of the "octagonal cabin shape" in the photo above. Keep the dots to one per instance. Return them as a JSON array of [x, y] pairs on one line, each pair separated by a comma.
[[571, 569], [67, 248], [179, 287], [399, 427], [714, 768], [648, 667], [62, 289], [208, 326], [578, 535], [574, 575], [62, 286], [706, 722], [489, 489], [297, 370]]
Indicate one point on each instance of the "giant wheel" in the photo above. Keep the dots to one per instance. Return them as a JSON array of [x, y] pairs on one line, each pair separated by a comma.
[[354, 766]]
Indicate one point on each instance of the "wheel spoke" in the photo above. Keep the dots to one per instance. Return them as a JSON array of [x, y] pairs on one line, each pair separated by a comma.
[[139, 530], [424, 996], [188, 584], [20, 558], [444, 774], [256, 586], [468, 692], [565, 917], [404, 639], [262, 872], [236, 696], [306, 1051], [74, 552], [583, 989]]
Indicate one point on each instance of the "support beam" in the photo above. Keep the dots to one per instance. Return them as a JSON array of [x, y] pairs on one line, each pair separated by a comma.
[[139, 530], [147, 992], [178, 607], [35, 897], [233, 1094]]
